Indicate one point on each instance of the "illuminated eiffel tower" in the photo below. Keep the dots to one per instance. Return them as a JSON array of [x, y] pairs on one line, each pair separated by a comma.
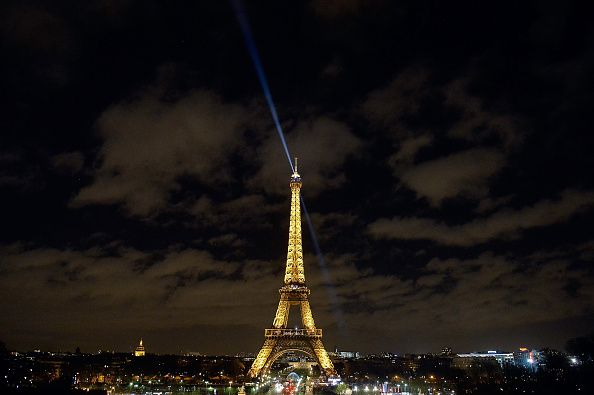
[[279, 339]]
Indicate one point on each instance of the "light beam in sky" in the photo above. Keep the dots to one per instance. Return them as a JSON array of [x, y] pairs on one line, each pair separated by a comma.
[[251, 47], [253, 51]]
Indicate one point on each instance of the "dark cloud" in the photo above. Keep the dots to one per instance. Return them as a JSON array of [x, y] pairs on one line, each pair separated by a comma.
[[16, 172], [70, 162], [225, 214], [150, 142], [41, 35], [184, 289], [322, 145], [465, 172], [477, 123], [505, 223], [36, 29], [409, 148], [390, 105], [331, 224], [81, 287], [227, 239]]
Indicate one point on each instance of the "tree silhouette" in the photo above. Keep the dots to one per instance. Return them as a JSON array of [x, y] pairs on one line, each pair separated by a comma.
[[3, 349]]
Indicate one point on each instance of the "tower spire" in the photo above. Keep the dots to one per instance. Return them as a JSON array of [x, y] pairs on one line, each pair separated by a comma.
[[294, 273]]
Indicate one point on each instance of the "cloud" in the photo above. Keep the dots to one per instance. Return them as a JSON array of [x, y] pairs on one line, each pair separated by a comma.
[[73, 292], [489, 204], [227, 239], [465, 172], [389, 307], [321, 144], [505, 223], [329, 225], [392, 108], [402, 97], [409, 148], [232, 214], [477, 123], [397, 109], [149, 143], [42, 37], [534, 293], [69, 162], [36, 29], [18, 171], [53, 294]]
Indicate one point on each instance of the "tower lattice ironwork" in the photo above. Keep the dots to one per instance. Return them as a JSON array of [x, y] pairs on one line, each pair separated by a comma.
[[279, 339]]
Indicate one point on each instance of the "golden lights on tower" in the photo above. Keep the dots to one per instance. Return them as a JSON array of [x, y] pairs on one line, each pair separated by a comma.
[[279, 339]]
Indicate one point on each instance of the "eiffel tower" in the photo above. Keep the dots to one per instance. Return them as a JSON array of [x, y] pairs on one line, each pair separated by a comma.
[[279, 339]]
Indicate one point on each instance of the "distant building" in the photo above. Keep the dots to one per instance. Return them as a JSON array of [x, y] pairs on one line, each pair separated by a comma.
[[411, 362], [139, 351], [526, 358], [502, 358], [346, 354], [446, 351]]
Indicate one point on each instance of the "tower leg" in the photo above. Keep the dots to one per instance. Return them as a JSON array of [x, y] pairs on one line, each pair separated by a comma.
[[306, 315], [324, 361], [282, 314], [263, 355]]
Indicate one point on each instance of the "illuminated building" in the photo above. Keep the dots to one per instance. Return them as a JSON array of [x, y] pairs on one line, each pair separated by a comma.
[[346, 354], [527, 358], [279, 339], [139, 351], [446, 351], [502, 358]]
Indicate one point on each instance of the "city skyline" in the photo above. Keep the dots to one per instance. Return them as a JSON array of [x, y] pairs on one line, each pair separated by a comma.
[[445, 151]]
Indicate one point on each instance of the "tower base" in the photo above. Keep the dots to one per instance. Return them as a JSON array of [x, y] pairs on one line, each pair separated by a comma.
[[279, 341]]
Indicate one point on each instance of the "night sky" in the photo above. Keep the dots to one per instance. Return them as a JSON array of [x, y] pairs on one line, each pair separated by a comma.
[[446, 151]]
